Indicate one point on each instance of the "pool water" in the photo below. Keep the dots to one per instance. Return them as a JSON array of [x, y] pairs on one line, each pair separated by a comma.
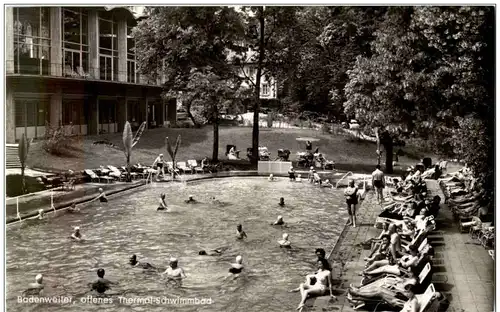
[[129, 224]]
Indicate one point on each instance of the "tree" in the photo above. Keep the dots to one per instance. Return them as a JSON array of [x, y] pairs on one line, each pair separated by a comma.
[[173, 152], [188, 44], [23, 149], [129, 141]]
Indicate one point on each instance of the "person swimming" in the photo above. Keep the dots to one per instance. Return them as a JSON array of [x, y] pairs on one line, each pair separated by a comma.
[[36, 287], [271, 177], [213, 252], [145, 265], [174, 271], [73, 208], [102, 196], [285, 243], [102, 284], [191, 200], [76, 234], [282, 201], [240, 234], [237, 267], [163, 204], [279, 221]]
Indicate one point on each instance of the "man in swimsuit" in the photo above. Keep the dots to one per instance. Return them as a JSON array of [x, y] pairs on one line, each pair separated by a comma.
[[285, 243], [291, 174], [378, 182], [76, 234], [162, 205], [310, 176], [174, 272], [240, 234], [351, 195], [323, 281], [159, 165], [145, 265], [102, 284], [35, 288]]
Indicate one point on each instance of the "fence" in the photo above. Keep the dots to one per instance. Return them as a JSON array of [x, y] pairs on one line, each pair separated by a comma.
[[275, 167]]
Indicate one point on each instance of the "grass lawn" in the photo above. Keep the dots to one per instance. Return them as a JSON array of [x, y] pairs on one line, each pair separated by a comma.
[[348, 153]]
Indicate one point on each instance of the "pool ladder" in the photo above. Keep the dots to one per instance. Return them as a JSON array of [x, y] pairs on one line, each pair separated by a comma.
[[343, 177]]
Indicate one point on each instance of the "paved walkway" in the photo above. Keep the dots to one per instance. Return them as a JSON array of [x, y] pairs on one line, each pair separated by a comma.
[[463, 270]]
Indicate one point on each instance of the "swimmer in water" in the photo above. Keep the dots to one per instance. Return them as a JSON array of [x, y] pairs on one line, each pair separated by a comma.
[[326, 183], [174, 271], [282, 201], [214, 252], [291, 174], [191, 200], [76, 234], [102, 284], [163, 204], [299, 178], [237, 267], [279, 221], [240, 234], [102, 196], [73, 208], [271, 177], [39, 216], [36, 287], [285, 243], [145, 265]]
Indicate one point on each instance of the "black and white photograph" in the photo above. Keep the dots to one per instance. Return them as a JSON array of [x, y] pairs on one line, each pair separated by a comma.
[[249, 157]]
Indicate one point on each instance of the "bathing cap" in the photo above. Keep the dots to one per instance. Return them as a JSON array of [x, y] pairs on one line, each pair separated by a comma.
[[39, 278], [40, 210], [161, 154], [291, 167], [190, 196], [172, 259], [280, 217], [100, 189], [239, 259], [285, 236], [312, 167], [77, 228]]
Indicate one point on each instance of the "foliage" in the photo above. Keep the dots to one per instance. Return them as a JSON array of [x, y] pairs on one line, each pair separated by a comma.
[[173, 151], [23, 150], [58, 139], [129, 141]]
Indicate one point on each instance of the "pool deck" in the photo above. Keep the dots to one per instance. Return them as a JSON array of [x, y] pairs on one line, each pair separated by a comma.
[[463, 270]]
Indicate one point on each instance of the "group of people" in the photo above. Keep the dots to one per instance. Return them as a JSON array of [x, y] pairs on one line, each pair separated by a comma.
[[397, 266]]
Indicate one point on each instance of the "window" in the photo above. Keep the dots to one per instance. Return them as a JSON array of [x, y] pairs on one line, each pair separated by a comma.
[[107, 111], [73, 112], [31, 112], [265, 89], [74, 25], [131, 60], [108, 46], [32, 40]]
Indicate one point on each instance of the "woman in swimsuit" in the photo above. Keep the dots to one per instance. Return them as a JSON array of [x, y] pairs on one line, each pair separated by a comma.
[[323, 280], [351, 196], [237, 267], [163, 205]]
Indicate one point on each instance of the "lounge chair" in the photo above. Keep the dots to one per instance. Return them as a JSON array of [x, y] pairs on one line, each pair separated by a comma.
[[94, 176], [116, 173], [170, 167], [133, 175], [68, 185], [183, 167], [194, 166], [425, 299]]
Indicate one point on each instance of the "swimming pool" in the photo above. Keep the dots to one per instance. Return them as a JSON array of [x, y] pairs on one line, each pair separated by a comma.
[[129, 224]]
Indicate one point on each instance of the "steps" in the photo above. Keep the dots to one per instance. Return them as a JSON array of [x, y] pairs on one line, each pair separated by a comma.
[[12, 156]]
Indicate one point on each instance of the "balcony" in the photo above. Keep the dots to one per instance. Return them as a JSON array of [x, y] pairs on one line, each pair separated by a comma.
[[43, 68]]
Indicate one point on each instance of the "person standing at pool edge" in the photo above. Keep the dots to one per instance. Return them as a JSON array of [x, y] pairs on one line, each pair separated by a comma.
[[378, 182], [351, 195]]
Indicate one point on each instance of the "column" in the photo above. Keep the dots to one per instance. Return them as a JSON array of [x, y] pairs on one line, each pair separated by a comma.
[[56, 55], [10, 116], [9, 40], [122, 50], [55, 109], [163, 103], [121, 112], [93, 29]]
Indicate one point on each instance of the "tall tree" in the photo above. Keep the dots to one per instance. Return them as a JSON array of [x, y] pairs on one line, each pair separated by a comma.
[[180, 44]]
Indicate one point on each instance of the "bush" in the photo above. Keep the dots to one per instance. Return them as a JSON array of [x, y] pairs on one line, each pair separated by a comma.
[[14, 185], [57, 139]]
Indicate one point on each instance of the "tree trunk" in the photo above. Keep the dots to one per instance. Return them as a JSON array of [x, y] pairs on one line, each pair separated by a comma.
[[215, 153], [23, 181], [129, 177], [256, 112], [188, 110], [388, 145]]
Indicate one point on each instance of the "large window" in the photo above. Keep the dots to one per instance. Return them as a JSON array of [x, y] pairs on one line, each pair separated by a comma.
[[31, 112], [108, 46], [265, 89], [32, 40], [131, 60], [74, 112], [74, 24]]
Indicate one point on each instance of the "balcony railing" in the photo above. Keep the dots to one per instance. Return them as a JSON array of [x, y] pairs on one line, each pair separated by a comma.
[[46, 69]]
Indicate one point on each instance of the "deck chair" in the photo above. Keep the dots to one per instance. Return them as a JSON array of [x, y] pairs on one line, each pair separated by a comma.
[[115, 172], [283, 155], [93, 176], [133, 175], [236, 152], [170, 167], [182, 166], [194, 166], [425, 299]]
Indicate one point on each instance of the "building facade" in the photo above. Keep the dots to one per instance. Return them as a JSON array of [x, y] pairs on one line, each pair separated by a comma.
[[76, 67]]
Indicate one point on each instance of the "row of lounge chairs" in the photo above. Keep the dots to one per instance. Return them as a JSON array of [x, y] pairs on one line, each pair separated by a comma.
[[465, 199], [408, 219]]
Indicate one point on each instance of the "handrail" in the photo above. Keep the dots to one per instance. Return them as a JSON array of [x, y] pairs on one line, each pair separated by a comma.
[[345, 175]]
